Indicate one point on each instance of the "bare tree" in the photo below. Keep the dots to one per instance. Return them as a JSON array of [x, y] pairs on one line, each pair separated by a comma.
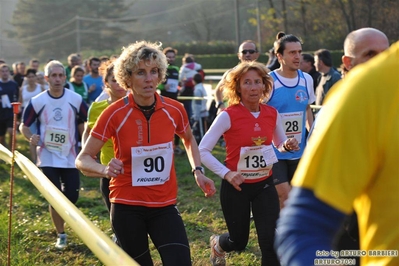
[[284, 12], [304, 17], [271, 4]]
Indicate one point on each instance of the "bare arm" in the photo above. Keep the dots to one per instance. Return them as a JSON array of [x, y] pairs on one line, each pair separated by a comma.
[[86, 134], [32, 138], [309, 117], [20, 95], [219, 93], [86, 163]]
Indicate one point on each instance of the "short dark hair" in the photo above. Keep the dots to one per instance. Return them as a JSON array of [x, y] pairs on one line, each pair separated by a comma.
[[279, 44], [169, 50], [325, 56], [197, 78], [308, 58], [31, 71], [189, 59], [96, 59], [33, 60]]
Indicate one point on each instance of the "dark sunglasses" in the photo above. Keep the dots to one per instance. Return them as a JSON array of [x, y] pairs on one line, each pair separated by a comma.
[[248, 51]]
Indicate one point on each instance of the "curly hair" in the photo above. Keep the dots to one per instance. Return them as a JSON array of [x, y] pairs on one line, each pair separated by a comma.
[[128, 61], [232, 84]]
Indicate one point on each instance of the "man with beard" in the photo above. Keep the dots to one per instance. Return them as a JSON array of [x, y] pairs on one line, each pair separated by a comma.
[[292, 95], [94, 80]]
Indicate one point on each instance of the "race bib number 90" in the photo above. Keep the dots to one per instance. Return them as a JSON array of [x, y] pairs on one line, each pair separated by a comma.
[[151, 165]]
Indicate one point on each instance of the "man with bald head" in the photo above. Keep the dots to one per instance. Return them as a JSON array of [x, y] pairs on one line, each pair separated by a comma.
[[363, 44], [359, 46]]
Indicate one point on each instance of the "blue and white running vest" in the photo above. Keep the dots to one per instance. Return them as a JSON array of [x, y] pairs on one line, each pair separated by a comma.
[[291, 103]]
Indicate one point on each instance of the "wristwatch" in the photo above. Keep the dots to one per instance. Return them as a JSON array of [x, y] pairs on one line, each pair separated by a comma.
[[200, 168]]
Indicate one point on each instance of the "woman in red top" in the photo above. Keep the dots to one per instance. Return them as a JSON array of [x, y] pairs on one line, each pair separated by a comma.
[[249, 129], [143, 187]]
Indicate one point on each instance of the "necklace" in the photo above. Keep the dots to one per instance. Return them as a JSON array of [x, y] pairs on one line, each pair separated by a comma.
[[147, 108]]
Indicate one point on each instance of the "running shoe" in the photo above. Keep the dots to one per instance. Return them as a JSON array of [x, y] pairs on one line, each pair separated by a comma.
[[61, 241], [115, 239], [217, 255]]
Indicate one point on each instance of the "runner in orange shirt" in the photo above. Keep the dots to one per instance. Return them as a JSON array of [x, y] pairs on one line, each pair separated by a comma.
[[143, 187]]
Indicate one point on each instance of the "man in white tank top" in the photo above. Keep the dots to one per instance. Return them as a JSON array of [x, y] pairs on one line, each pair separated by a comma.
[[57, 111]]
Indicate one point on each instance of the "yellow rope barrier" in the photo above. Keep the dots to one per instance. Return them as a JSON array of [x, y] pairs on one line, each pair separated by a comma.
[[99, 243]]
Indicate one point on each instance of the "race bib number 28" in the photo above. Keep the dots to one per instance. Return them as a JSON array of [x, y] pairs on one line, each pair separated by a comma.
[[292, 123]]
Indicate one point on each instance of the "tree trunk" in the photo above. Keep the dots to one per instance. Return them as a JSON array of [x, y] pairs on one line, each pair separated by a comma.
[[303, 16], [352, 14], [370, 13], [272, 7], [285, 21], [346, 16]]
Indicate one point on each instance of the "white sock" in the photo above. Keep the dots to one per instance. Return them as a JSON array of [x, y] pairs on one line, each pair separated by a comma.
[[217, 248]]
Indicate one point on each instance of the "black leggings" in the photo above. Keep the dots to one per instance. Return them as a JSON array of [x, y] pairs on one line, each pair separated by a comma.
[[236, 205], [65, 179], [133, 224]]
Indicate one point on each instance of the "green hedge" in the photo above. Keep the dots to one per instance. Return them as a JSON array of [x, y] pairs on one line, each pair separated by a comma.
[[203, 48], [224, 61], [218, 61], [212, 55]]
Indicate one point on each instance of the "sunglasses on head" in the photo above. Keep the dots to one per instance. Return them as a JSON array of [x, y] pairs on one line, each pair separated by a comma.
[[248, 51]]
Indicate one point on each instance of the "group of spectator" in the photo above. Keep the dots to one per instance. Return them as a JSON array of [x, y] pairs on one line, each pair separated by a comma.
[[186, 81]]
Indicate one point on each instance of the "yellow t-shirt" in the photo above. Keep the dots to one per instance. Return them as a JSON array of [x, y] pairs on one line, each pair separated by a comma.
[[352, 157], [96, 108]]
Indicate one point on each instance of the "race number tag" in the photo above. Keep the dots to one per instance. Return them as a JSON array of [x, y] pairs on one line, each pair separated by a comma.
[[173, 83], [56, 139], [269, 155], [256, 161], [151, 165], [5, 101], [292, 123]]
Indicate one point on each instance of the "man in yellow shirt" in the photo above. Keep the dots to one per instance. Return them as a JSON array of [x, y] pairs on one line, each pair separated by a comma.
[[351, 161]]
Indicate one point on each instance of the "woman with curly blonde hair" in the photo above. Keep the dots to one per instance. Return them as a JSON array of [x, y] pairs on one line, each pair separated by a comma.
[[143, 186], [249, 129]]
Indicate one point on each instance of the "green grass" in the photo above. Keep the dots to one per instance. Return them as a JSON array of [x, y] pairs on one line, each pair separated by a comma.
[[33, 235]]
